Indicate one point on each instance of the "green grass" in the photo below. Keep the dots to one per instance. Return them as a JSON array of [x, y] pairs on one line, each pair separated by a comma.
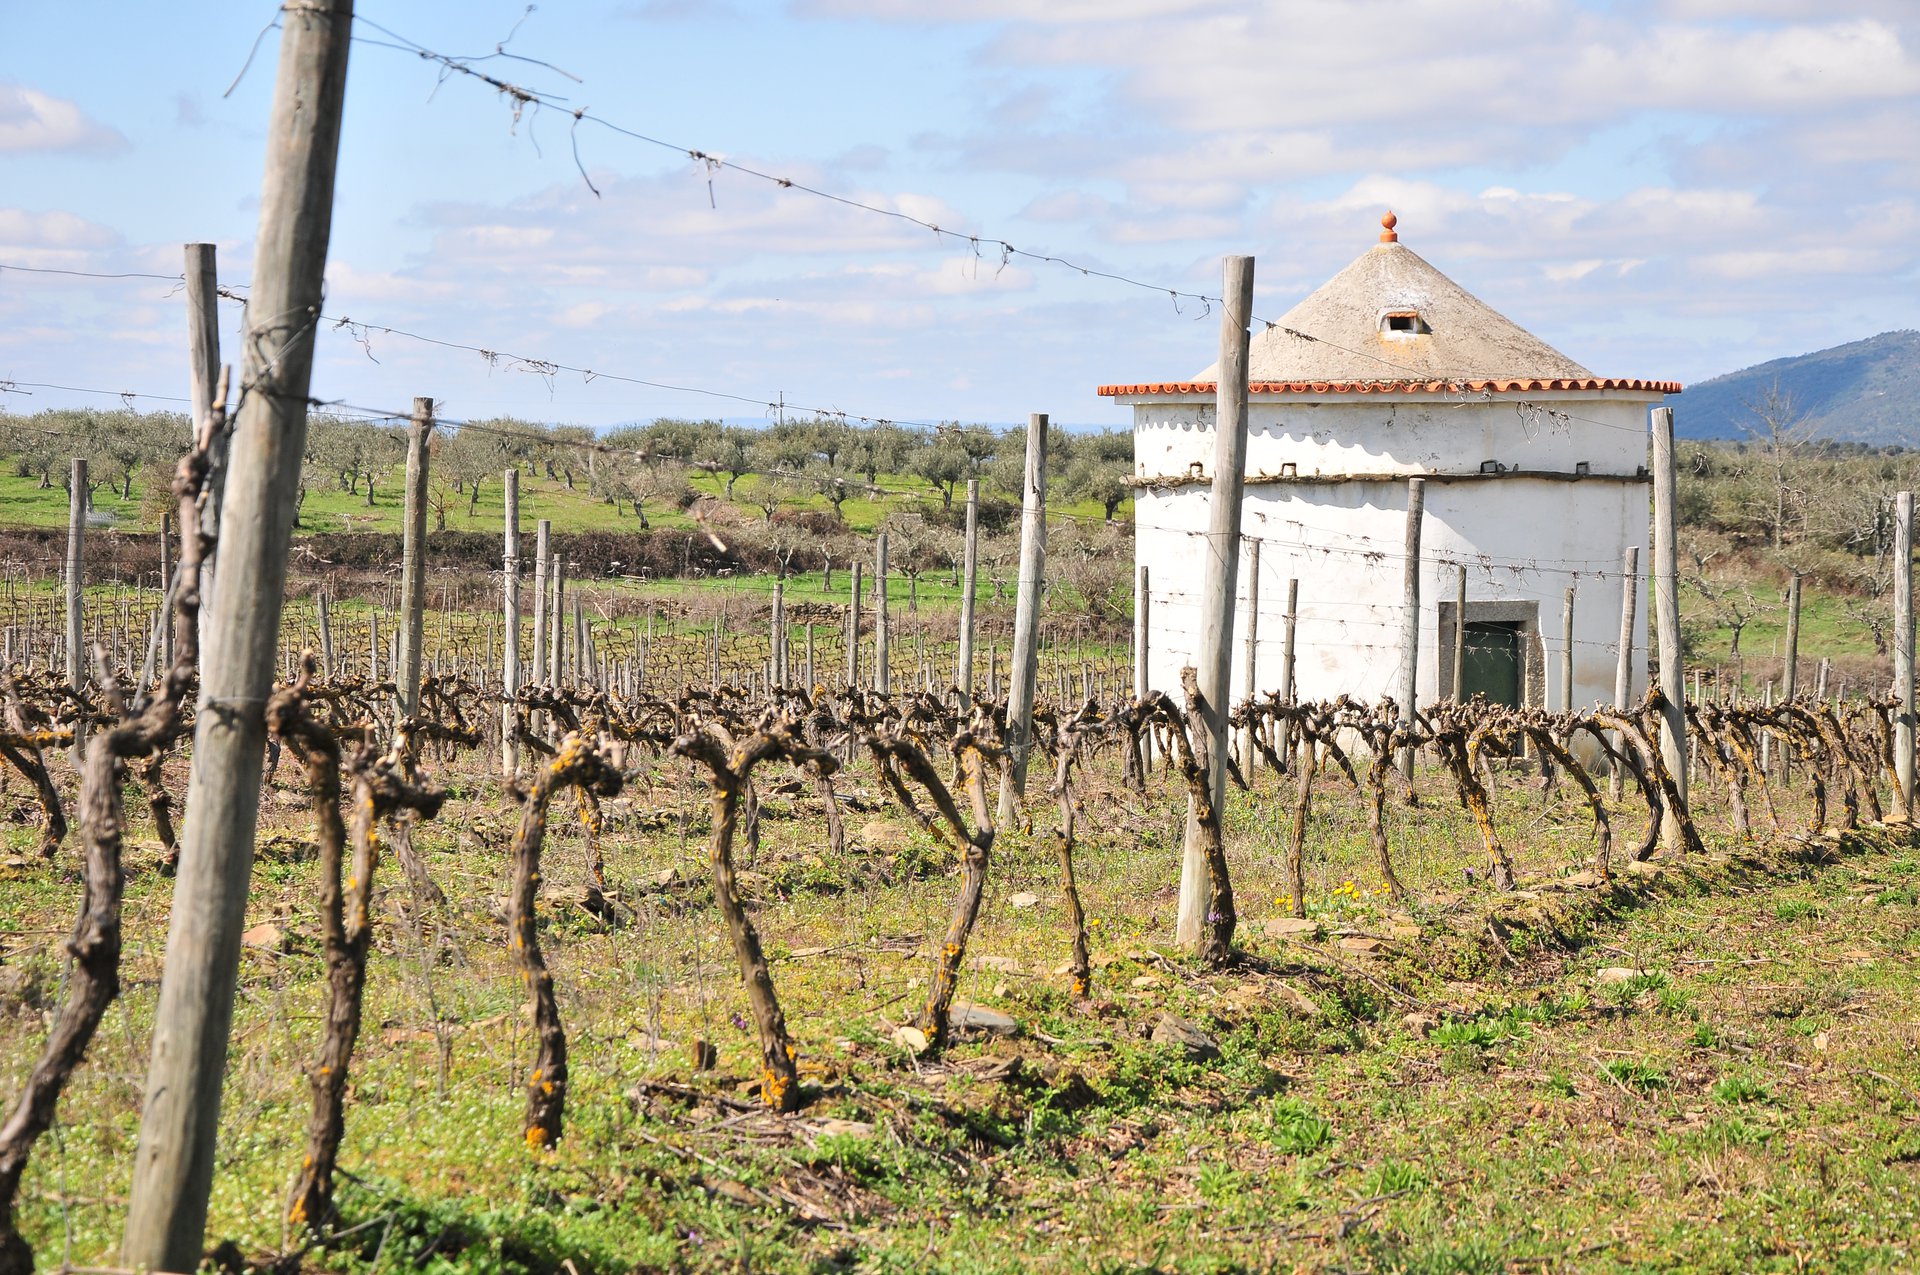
[[1538, 1126], [572, 510]]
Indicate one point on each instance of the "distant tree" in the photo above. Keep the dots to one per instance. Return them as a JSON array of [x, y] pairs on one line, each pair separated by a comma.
[[881, 449], [728, 450], [943, 463], [1781, 433]]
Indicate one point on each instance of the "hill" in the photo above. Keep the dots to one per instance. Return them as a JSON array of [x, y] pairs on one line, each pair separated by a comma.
[[1864, 391]]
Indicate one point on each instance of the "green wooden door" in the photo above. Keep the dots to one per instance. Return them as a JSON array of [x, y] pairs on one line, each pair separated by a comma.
[[1491, 666]]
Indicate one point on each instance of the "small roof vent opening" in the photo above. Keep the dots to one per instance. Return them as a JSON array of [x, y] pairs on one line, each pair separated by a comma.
[[1404, 323]]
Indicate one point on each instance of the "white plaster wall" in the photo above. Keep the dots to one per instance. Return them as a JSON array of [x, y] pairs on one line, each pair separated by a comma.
[[1522, 538], [1400, 433]]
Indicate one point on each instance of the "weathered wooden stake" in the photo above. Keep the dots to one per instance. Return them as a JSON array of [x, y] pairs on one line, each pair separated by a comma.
[[779, 634], [1290, 621], [76, 580], [1410, 615], [173, 1166], [1219, 590], [970, 576], [882, 659], [510, 622], [556, 621], [1250, 685], [413, 559], [203, 372], [1566, 653], [1666, 618], [1025, 670], [1903, 734], [1459, 670], [1623, 670], [853, 626], [542, 562]]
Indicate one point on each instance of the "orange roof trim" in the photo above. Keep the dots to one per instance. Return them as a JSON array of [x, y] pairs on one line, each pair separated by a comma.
[[1502, 385]]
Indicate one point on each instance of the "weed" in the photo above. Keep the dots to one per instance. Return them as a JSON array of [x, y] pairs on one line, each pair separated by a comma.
[[1219, 1183], [1396, 1176], [1293, 1128], [1635, 1074], [1672, 1000], [1738, 1089], [1736, 1131]]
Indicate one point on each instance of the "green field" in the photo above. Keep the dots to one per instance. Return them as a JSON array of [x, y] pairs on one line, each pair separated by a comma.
[[1428, 1101]]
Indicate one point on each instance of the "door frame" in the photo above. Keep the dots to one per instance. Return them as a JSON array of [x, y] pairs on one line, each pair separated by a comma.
[[1525, 614]]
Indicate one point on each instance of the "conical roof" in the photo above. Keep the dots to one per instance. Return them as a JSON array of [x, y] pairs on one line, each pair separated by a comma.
[[1388, 322]]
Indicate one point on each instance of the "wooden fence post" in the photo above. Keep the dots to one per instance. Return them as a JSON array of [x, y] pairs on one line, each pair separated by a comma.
[[1220, 570], [324, 603], [1288, 622], [853, 626], [173, 1166], [165, 619], [1623, 669], [510, 622], [779, 634], [556, 617], [1566, 653], [1903, 642], [542, 556], [1025, 670], [1410, 615], [1459, 634], [76, 581], [1666, 618], [1251, 686], [882, 657], [970, 577], [203, 373], [413, 559]]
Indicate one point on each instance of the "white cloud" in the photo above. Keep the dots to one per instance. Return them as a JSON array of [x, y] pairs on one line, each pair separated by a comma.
[[34, 121]]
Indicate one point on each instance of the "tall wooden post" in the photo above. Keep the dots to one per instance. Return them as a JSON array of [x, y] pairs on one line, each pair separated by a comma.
[[1790, 667], [1410, 615], [173, 1166], [1025, 672], [882, 657], [1458, 693], [853, 626], [413, 558], [1219, 580], [1903, 734], [166, 591], [510, 622], [203, 373], [542, 561], [1623, 670], [1288, 623], [809, 671], [779, 634], [324, 604], [1566, 653], [1666, 619], [970, 579], [1142, 653], [556, 618], [76, 579], [1250, 684]]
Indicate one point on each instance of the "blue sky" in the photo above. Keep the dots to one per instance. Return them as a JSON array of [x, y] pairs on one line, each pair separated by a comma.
[[1659, 188]]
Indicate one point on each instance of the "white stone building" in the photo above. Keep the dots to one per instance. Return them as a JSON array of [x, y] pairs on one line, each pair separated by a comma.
[[1536, 481]]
